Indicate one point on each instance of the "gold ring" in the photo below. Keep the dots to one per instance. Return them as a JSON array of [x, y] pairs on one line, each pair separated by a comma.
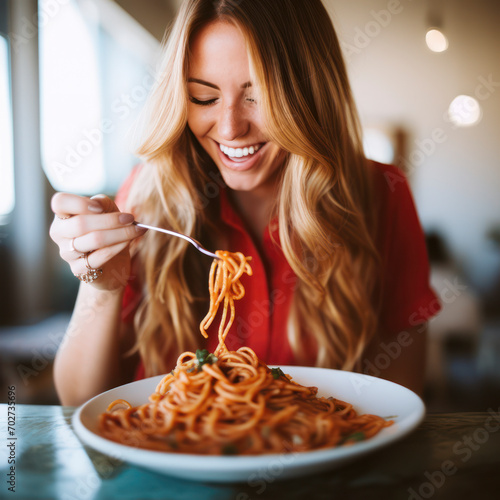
[[63, 218], [91, 274]]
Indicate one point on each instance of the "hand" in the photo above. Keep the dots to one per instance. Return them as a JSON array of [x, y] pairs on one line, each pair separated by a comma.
[[96, 227]]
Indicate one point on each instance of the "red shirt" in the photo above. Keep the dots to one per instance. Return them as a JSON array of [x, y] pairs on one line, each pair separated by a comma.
[[261, 316]]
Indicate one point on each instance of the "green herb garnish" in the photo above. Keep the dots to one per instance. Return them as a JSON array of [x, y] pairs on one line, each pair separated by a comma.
[[203, 357], [356, 436], [229, 449], [173, 444], [277, 373]]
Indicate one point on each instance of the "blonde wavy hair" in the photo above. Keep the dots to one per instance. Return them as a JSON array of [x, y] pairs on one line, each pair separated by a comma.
[[324, 199]]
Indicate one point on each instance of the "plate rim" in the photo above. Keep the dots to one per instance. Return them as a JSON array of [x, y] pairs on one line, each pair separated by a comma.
[[242, 463]]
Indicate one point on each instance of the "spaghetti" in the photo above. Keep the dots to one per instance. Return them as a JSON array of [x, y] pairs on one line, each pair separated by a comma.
[[230, 402]]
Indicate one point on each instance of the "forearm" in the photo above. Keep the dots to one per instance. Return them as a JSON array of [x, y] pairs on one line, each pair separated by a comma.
[[88, 360]]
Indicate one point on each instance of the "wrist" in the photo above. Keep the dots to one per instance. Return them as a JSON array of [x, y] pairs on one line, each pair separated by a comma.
[[101, 294], [111, 282]]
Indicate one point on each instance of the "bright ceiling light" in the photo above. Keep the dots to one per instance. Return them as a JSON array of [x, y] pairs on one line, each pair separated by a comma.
[[464, 111], [435, 40]]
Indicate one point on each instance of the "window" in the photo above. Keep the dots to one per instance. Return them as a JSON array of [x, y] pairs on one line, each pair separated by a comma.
[[7, 195], [94, 78]]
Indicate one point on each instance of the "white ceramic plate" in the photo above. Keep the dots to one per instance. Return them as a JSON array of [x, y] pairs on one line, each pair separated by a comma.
[[367, 394]]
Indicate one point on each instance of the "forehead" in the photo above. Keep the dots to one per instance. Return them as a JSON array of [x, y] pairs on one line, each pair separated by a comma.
[[219, 47]]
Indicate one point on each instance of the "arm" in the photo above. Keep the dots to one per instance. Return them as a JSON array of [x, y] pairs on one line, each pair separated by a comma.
[[89, 360], [401, 360]]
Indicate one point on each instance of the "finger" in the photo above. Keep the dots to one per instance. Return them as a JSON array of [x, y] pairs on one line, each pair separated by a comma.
[[95, 240], [84, 224], [106, 203], [68, 252], [98, 258], [64, 204]]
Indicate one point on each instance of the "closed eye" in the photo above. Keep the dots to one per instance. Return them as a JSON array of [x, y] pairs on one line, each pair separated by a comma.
[[202, 103]]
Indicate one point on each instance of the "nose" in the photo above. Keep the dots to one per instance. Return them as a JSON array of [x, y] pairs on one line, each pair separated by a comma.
[[232, 122]]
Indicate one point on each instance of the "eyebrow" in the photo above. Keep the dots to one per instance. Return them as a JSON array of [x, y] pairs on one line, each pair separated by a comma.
[[208, 84]]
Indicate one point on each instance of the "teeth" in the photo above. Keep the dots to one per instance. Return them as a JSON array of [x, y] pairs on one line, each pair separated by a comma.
[[239, 152]]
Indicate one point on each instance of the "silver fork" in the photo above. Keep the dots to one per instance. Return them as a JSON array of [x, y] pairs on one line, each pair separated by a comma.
[[193, 242]]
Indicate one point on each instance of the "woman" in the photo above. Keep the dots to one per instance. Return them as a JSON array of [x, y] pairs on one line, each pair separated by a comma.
[[251, 144]]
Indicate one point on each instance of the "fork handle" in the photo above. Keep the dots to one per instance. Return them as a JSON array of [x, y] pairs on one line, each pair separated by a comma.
[[193, 242]]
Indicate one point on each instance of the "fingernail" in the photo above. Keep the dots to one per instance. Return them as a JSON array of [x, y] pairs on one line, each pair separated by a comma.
[[95, 207], [141, 229], [126, 218]]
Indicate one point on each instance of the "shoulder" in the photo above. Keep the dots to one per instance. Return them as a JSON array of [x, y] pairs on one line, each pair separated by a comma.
[[392, 196], [387, 179], [404, 282]]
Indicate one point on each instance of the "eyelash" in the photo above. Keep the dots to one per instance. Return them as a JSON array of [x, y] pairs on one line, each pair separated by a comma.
[[212, 101], [202, 103]]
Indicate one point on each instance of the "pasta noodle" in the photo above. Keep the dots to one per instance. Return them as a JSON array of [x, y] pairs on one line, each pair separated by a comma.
[[224, 285], [230, 402]]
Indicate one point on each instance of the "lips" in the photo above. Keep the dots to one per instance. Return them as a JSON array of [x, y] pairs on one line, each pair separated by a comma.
[[244, 162], [240, 152]]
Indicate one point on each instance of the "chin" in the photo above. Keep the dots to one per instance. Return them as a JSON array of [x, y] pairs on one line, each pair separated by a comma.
[[238, 182]]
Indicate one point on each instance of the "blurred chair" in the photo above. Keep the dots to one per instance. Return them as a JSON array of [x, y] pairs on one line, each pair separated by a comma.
[[458, 325], [26, 358]]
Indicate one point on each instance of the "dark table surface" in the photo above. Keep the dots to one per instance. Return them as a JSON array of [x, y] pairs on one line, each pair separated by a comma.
[[451, 456]]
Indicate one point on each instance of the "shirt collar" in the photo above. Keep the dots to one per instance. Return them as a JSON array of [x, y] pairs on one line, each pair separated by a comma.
[[230, 216]]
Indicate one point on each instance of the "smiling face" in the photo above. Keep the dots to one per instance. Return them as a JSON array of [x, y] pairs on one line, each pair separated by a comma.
[[223, 113]]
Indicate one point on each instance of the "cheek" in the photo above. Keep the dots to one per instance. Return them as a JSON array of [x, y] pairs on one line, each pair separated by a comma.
[[257, 118], [276, 153], [198, 122], [277, 158]]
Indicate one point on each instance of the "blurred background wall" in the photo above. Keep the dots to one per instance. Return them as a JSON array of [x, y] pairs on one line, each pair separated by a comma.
[[398, 81], [75, 73]]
